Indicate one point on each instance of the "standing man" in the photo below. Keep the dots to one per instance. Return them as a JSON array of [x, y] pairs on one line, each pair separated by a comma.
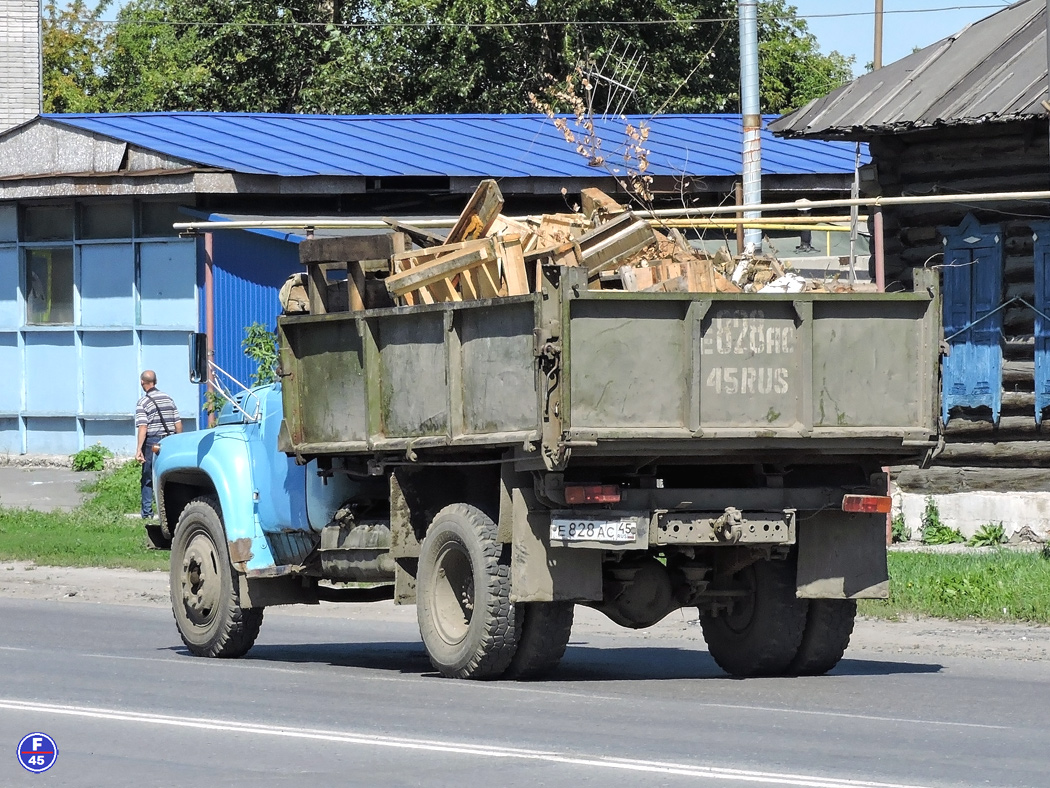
[[805, 236], [155, 417]]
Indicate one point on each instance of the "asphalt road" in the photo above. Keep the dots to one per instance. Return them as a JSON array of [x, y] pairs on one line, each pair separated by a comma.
[[41, 488], [351, 700]]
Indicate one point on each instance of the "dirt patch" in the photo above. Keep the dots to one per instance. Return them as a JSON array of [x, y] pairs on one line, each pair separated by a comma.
[[913, 638], [83, 584]]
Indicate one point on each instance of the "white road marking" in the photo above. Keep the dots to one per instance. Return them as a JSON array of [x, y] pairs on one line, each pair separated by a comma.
[[12, 648], [847, 715], [455, 748]]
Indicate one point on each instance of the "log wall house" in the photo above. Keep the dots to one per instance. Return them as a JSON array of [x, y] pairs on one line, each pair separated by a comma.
[[969, 115]]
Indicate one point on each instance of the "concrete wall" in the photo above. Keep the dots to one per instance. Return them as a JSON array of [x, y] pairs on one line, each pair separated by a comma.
[[19, 62], [1025, 516]]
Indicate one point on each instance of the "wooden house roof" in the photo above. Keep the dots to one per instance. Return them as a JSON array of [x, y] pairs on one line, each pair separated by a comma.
[[994, 70]]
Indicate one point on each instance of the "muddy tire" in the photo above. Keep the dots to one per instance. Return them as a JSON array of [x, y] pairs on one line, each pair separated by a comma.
[[466, 619], [545, 630], [761, 632], [829, 624], [204, 598]]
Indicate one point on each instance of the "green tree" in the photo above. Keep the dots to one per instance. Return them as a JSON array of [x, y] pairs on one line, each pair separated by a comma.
[[73, 41], [219, 55], [415, 56], [792, 69]]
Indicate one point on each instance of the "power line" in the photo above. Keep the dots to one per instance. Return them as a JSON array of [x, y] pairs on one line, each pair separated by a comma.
[[508, 25]]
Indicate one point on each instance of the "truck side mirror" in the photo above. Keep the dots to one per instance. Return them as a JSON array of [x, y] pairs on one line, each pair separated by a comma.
[[198, 358]]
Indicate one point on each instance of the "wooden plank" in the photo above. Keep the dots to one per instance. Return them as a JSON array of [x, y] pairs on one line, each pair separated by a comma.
[[512, 255], [469, 284], [355, 282], [1019, 400], [479, 214], [943, 481], [566, 254], [679, 284], [1018, 371], [483, 280], [636, 278], [1016, 454], [555, 229], [420, 256], [962, 425], [419, 235], [317, 288], [504, 225], [443, 267], [344, 248], [614, 242], [439, 292], [701, 272], [596, 202]]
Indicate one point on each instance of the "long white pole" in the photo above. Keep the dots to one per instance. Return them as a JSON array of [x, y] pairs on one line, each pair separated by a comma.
[[751, 115], [814, 205]]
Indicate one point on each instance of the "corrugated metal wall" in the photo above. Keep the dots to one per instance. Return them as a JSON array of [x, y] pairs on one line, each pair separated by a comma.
[[249, 269]]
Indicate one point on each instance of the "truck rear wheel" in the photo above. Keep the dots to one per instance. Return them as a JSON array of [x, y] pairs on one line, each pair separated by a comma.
[[466, 619], [545, 630], [761, 632], [829, 624], [204, 598]]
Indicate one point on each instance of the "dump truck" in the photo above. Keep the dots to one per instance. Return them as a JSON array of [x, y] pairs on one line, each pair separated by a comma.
[[499, 461]]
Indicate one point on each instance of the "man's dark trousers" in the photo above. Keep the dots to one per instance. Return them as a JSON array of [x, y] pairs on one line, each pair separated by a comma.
[[147, 476]]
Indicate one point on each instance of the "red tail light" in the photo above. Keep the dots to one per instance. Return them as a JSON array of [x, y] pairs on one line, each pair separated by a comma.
[[871, 504], [592, 493]]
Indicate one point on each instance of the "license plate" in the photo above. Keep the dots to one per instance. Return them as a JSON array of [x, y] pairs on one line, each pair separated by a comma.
[[565, 529]]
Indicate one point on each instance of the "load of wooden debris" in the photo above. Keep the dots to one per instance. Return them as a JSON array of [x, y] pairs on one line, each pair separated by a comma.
[[489, 255]]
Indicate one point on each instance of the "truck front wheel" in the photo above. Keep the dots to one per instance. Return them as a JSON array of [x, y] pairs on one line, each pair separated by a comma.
[[466, 619], [761, 632], [204, 598]]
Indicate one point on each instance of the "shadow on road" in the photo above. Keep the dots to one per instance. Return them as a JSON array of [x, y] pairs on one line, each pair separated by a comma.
[[875, 667], [581, 662], [399, 657]]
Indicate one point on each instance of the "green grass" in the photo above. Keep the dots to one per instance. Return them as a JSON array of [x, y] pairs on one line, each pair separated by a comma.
[[116, 491], [998, 585], [98, 533]]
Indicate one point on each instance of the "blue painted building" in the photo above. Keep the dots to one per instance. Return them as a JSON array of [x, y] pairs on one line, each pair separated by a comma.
[[95, 285]]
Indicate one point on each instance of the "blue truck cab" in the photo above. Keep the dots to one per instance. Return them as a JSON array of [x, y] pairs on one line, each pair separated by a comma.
[[248, 509]]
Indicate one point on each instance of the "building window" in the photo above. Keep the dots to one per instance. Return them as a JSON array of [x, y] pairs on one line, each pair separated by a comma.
[[157, 219], [47, 223], [106, 220], [49, 286]]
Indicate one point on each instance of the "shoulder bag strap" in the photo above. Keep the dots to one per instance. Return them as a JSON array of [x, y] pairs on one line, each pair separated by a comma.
[[160, 413]]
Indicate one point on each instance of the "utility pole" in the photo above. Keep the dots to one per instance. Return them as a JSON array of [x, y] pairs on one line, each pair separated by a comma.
[[752, 115], [877, 239], [877, 60]]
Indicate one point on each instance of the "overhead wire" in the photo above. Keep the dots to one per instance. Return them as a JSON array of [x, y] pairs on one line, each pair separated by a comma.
[[522, 24]]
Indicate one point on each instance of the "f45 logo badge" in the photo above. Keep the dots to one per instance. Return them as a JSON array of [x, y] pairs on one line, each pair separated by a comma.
[[37, 752]]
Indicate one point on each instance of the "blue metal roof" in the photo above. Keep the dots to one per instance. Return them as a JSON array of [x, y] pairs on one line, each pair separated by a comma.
[[500, 146]]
